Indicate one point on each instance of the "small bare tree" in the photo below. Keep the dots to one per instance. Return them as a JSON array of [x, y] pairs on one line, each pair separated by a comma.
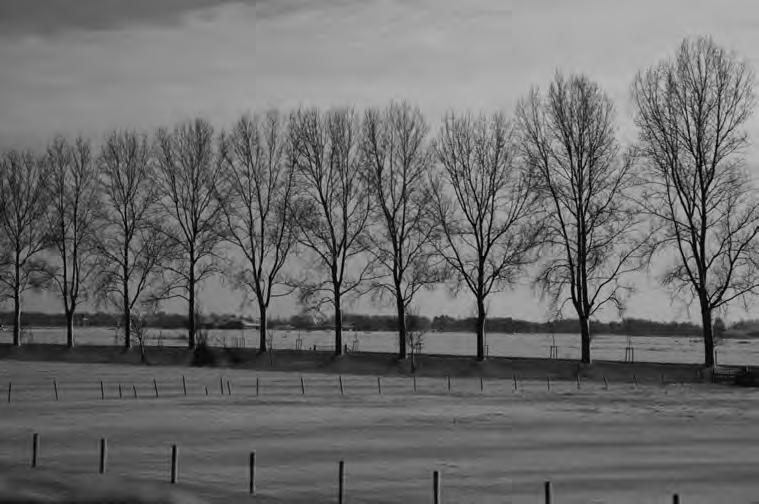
[[23, 231], [487, 208], [334, 196], [256, 196], [129, 248], [691, 113], [397, 160], [187, 178], [593, 228], [74, 188]]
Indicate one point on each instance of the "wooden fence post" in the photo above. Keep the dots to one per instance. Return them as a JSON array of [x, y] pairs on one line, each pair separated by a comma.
[[102, 390], [55, 388], [379, 385], [206, 389], [578, 382], [548, 382], [436, 487], [482, 385], [10, 387], [174, 464], [221, 385], [155, 386], [340, 379], [449, 384], [120, 395], [414, 383], [606, 384], [256, 386], [341, 482], [548, 492], [35, 448], [302, 387], [675, 499], [103, 455], [134, 389], [184, 386], [516, 386], [229, 388], [252, 471]]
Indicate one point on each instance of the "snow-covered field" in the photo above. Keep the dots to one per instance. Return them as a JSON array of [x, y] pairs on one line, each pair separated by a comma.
[[621, 445], [604, 346]]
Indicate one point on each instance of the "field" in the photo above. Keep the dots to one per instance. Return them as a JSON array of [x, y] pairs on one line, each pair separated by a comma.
[[738, 351], [623, 444]]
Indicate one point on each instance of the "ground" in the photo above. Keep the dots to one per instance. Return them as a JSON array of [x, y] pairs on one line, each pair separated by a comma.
[[624, 444]]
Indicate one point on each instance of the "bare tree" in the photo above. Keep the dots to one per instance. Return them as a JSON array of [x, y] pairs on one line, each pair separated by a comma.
[[691, 113], [397, 161], [593, 229], [25, 204], [188, 175], [486, 206], [336, 206], [73, 196], [129, 249], [256, 193]]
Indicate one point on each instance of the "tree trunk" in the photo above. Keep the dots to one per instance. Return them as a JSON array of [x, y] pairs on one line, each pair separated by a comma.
[[17, 313], [338, 325], [584, 340], [706, 320], [127, 318], [401, 328], [70, 328], [262, 328], [480, 329], [191, 312]]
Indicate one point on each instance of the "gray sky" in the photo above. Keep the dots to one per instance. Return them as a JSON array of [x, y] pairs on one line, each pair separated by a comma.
[[85, 66]]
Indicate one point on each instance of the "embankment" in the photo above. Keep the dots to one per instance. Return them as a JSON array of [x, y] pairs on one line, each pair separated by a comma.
[[366, 363]]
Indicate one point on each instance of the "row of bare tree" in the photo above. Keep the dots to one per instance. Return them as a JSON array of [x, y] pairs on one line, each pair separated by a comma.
[[337, 204]]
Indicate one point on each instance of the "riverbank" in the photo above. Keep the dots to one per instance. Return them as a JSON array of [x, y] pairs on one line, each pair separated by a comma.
[[366, 363]]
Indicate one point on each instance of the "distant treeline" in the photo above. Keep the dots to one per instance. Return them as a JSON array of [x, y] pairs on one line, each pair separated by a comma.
[[364, 323]]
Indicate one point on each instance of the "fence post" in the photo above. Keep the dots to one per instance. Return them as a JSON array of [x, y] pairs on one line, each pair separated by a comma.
[[578, 382], [548, 492], [606, 384], [436, 487], [184, 386], [414, 383], [229, 388], [379, 385], [10, 387], [102, 390], [174, 464], [302, 387], [221, 385], [155, 386], [516, 386], [256, 386], [103, 455], [252, 470], [482, 385], [548, 382], [340, 379], [206, 389], [675, 499], [134, 389], [120, 395], [341, 482], [55, 388], [35, 448]]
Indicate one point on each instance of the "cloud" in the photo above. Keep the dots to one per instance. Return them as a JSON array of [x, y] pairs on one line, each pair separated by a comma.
[[52, 17]]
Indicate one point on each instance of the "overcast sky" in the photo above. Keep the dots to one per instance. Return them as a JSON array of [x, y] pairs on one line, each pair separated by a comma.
[[85, 66]]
